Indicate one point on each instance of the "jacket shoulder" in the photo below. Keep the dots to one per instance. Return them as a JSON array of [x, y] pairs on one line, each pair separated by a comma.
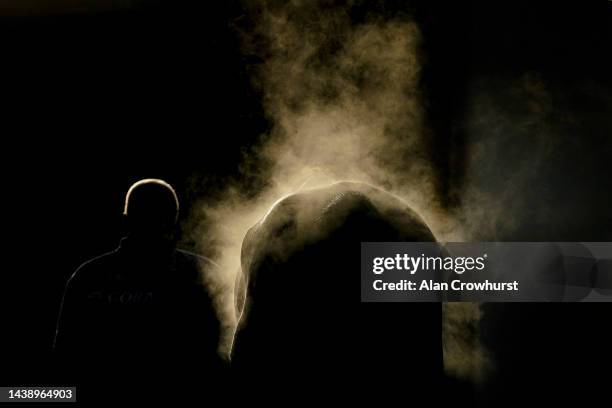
[[94, 269], [195, 259]]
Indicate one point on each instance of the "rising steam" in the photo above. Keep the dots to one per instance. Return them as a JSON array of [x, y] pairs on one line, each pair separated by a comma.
[[344, 103]]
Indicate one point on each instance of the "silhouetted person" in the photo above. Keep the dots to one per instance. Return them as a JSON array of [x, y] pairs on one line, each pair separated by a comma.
[[143, 315], [304, 334]]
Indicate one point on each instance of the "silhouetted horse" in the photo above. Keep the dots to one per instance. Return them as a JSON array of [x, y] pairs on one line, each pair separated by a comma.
[[303, 332]]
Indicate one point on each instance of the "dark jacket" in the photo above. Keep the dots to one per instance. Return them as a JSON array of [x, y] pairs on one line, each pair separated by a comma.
[[140, 316]]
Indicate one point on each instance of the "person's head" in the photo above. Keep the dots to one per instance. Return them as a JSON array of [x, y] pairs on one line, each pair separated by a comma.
[[151, 208]]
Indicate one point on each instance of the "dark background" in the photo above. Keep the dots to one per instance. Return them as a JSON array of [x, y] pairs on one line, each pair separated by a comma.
[[95, 100]]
